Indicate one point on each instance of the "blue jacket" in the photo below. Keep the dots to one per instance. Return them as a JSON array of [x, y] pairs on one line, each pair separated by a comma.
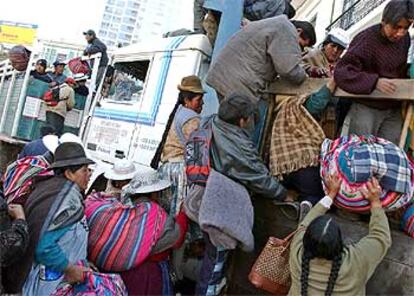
[[33, 148]]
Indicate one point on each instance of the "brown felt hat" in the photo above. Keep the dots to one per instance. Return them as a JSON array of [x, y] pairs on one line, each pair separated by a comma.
[[191, 83]]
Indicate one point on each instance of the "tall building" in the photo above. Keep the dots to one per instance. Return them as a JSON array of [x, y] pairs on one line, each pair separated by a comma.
[[130, 21], [58, 50]]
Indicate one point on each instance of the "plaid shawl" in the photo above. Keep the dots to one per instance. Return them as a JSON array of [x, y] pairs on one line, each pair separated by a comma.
[[296, 138], [387, 162], [18, 179], [356, 159], [121, 237]]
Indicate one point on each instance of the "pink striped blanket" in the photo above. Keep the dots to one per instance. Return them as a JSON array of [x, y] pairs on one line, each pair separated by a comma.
[[121, 237], [18, 179]]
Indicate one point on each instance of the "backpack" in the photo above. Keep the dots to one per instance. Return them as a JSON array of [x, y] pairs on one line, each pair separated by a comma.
[[76, 66], [197, 155], [51, 96]]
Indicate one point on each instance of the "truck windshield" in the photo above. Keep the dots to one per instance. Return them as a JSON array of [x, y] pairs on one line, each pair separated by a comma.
[[125, 82]]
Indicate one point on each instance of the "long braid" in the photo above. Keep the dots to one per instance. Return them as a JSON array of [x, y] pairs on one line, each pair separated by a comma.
[[305, 274], [336, 265], [157, 156]]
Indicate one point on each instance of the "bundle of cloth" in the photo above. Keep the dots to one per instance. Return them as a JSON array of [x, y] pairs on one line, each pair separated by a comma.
[[121, 237], [19, 177], [95, 284], [356, 159], [407, 221], [226, 213]]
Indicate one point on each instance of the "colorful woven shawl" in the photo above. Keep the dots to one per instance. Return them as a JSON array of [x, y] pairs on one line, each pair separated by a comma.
[[356, 159], [19, 176], [121, 237], [407, 221], [95, 284]]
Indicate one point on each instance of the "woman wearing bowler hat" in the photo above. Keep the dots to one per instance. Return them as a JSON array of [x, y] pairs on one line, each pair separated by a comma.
[[184, 119], [57, 224]]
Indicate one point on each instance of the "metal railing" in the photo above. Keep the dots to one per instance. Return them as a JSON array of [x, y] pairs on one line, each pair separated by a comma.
[[13, 87], [354, 14]]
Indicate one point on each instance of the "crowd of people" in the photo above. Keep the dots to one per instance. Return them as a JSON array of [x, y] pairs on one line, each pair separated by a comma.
[[63, 88], [161, 230]]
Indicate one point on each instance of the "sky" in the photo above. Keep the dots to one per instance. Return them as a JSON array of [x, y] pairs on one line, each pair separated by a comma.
[[57, 19]]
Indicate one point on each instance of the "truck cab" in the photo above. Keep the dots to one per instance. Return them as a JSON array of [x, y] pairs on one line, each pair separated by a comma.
[[133, 104]]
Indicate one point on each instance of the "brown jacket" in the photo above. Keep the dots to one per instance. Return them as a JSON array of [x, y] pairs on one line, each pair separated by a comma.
[[255, 56]]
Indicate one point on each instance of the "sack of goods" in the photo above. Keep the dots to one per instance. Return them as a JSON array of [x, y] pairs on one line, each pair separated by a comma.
[[356, 160], [130, 243], [407, 221], [19, 57], [77, 66]]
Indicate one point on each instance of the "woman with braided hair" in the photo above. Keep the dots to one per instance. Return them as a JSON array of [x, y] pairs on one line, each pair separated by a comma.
[[320, 263]]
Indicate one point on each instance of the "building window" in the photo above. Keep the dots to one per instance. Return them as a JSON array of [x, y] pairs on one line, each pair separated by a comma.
[[107, 17], [133, 5], [125, 37], [120, 4], [128, 29], [131, 13]]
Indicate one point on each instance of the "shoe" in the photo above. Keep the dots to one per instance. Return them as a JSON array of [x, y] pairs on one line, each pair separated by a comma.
[[304, 209]]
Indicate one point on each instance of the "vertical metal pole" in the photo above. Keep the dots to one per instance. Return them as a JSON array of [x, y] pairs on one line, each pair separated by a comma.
[[92, 97], [22, 97], [92, 86], [3, 76], [7, 101]]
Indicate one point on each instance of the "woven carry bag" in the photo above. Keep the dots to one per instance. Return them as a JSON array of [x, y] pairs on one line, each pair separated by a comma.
[[271, 270]]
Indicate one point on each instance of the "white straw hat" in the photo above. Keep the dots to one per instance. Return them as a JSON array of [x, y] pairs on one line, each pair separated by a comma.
[[51, 142], [69, 137], [121, 170], [146, 180]]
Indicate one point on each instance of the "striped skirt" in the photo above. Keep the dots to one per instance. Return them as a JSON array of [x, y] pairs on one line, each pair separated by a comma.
[[175, 173]]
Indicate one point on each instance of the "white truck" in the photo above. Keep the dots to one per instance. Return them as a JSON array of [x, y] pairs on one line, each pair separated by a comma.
[[128, 115]]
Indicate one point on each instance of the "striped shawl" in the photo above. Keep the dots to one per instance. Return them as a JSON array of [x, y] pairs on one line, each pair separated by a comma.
[[296, 138], [19, 177], [121, 237]]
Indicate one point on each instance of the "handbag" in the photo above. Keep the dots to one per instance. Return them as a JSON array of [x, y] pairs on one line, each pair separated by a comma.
[[271, 270]]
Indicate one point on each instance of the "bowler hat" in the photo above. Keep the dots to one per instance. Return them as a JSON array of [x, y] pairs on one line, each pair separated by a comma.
[[70, 154], [192, 84]]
